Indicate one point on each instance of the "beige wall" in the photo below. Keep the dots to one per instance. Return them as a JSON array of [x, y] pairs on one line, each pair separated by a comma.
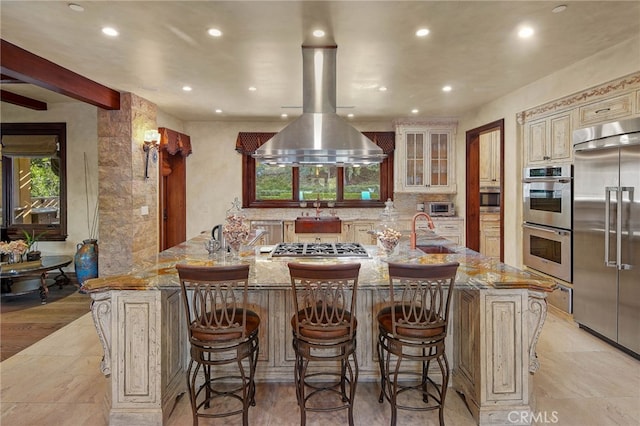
[[607, 65]]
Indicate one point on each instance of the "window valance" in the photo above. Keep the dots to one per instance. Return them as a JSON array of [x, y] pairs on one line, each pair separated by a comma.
[[174, 142]]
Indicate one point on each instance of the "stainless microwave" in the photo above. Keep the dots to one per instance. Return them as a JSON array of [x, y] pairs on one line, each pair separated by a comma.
[[489, 199], [439, 208]]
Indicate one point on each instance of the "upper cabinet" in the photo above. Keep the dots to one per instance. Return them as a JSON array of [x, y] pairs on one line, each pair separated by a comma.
[[490, 159], [424, 157], [549, 139], [547, 129]]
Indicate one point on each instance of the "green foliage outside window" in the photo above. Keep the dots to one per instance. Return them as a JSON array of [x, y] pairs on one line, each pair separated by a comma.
[[362, 182], [273, 182], [45, 182]]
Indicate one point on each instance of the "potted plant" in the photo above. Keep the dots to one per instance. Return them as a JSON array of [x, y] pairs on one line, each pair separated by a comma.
[[32, 244]]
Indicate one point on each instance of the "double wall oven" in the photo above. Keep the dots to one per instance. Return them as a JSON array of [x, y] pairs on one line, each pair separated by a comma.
[[547, 213]]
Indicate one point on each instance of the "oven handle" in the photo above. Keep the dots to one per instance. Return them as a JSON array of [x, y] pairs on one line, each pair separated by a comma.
[[552, 180], [607, 218], [560, 232]]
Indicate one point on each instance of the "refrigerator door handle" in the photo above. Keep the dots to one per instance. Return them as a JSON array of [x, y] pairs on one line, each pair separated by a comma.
[[629, 189], [607, 217]]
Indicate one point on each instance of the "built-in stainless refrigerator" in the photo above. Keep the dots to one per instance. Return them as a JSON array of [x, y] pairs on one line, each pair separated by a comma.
[[606, 231]]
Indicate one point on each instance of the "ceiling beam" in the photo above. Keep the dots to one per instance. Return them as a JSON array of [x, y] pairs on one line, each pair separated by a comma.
[[17, 63], [23, 101]]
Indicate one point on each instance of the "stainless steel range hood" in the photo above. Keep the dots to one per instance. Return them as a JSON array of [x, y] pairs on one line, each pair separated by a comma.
[[319, 136]]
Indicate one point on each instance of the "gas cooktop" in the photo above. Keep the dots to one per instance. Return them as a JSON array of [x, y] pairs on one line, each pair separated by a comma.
[[320, 250]]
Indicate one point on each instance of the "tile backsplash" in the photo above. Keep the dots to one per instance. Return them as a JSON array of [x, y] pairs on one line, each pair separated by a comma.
[[404, 203]]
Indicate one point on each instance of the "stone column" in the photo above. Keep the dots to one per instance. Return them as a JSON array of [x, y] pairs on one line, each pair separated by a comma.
[[126, 235]]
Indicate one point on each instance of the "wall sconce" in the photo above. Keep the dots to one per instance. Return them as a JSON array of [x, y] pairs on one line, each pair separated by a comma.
[[151, 143]]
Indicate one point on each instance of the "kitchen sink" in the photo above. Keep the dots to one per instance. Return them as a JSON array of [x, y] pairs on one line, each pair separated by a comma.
[[318, 224], [435, 249]]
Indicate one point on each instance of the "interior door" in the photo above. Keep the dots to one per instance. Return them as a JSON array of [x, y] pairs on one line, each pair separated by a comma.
[[472, 199], [173, 200]]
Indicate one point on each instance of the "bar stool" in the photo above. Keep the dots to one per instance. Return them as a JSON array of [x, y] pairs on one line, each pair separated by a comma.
[[324, 329], [222, 332], [413, 328]]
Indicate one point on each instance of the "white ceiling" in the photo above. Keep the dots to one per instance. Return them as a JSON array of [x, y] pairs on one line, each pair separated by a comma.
[[164, 45]]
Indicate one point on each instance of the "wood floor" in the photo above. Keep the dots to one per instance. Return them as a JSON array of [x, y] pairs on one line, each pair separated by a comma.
[[582, 381], [24, 320]]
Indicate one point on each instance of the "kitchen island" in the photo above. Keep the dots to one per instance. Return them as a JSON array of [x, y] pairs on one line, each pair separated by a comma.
[[498, 313]]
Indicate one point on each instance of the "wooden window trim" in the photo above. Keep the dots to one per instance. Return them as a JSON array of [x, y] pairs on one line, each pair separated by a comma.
[[54, 232]]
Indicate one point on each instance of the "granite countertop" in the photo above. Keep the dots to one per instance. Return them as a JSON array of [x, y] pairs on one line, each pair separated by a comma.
[[475, 271]]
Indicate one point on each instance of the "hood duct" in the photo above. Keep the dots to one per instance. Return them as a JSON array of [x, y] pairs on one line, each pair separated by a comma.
[[319, 136]]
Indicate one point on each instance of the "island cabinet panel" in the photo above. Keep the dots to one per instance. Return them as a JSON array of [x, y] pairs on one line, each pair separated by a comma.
[[147, 334], [466, 332], [505, 346], [173, 352], [259, 303], [492, 355]]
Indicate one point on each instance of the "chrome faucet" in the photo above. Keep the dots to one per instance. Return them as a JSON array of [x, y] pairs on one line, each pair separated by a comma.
[[413, 226]]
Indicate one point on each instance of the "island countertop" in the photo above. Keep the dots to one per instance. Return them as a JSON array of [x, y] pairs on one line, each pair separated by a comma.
[[266, 272]]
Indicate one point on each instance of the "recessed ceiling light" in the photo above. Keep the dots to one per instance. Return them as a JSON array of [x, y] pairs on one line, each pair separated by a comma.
[[382, 88], [318, 33], [446, 89], [111, 32], [253, 89], [187, 88], [214, 32], [422, 32], [414, 111], [525, 32], [350, 115], [283, 115], [76, 7], [218, 111], [559, 8]]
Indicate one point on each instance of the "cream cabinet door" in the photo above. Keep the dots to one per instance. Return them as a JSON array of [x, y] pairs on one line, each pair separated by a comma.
[[451, 229], [549, 139], [606, 110], [425, 160], [490, 159], [359, 232], [490, 235]]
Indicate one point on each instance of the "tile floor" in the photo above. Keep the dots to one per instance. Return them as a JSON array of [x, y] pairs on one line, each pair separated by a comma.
[[582, 381]]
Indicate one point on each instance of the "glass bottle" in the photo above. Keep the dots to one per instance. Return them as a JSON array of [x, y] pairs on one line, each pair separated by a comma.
[[388, 234], [236, 228]]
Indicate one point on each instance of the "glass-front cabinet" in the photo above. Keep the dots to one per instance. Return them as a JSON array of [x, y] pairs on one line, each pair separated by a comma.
[[424, 159]]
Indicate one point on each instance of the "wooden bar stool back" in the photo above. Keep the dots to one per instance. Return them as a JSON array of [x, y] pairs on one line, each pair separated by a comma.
[[413, 329], [223, 336], [324, 329]]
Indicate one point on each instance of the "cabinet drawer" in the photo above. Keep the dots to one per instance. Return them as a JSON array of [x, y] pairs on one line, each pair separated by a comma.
[[606, 110]]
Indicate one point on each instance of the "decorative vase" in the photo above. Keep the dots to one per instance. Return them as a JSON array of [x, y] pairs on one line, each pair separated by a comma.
[[86, 260]]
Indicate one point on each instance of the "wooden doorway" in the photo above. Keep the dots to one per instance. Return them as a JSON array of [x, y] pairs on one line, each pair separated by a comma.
[[173, 188], [473, 184]]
